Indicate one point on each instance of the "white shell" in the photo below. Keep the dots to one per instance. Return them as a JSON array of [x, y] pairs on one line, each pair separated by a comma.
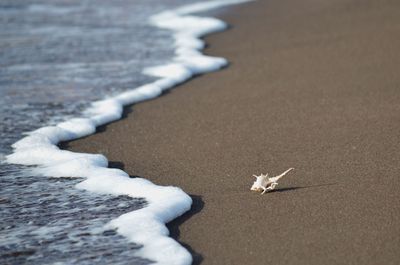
[[264, 183]]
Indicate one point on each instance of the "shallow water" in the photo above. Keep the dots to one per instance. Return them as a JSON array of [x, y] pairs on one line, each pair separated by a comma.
[[46, 220], [57, 56]]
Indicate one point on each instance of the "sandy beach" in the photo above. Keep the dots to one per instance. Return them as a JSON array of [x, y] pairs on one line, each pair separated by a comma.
[[312, 85]]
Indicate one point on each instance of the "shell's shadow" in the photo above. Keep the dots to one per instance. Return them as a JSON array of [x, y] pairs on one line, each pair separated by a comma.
[[302, 187]]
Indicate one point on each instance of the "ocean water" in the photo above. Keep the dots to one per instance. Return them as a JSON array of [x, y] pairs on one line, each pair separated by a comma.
[[58, 57]]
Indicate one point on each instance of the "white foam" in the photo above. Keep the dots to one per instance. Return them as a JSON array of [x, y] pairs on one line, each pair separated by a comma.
[[145, 226]]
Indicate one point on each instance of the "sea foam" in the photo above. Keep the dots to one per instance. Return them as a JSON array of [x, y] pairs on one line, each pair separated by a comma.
[[147, 225]]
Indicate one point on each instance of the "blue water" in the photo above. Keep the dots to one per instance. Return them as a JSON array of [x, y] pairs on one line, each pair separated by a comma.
[[56, 56]]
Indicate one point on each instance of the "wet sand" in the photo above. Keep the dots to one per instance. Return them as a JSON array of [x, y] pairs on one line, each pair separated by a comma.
[[312, 85]]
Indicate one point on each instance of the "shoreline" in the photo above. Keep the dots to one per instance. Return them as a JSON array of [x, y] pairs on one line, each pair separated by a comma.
[[145, 226], [319, 95]]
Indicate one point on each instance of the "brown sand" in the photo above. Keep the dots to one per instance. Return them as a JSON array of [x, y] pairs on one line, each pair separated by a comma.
[[313, 85]]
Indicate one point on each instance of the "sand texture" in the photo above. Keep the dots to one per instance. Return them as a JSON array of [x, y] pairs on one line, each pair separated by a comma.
[[313, 85]]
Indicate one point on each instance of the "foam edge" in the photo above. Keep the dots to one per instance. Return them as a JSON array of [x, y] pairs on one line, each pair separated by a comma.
[[145, 226]]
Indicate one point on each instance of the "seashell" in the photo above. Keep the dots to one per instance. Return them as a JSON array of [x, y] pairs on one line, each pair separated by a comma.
[[264, 183]]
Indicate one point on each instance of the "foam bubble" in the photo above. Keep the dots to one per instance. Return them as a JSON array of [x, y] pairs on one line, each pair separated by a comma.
[[147, 225]]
